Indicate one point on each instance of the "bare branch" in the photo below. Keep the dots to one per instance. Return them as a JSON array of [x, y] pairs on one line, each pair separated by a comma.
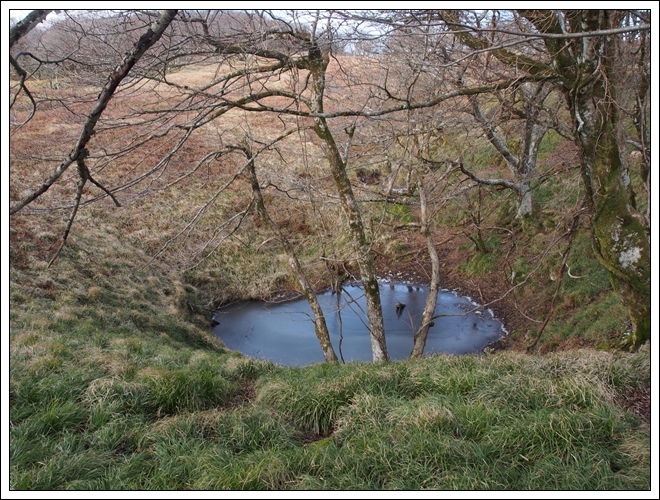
[[26, 25], [149, 38], [488, 182], [571, 235], [84, 176], [21, 86]]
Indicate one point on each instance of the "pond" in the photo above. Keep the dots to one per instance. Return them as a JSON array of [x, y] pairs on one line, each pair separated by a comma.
[[284, 332]]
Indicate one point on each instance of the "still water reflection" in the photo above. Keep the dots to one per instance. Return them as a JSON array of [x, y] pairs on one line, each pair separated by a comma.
[[284, 332]]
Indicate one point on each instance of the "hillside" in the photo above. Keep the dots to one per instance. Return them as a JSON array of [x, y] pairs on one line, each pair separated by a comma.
[[116, 383], [112, 387], [173, 162]]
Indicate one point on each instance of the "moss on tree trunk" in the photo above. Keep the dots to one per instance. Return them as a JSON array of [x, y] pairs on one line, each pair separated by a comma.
[[619, 233]]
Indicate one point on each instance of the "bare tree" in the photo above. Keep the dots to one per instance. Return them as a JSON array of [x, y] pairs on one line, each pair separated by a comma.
[[317, 65], [79, 153], [621, 236], [309, 293], [519, 155], [578, 50], [17, 31], [276, 65], [420, 336]]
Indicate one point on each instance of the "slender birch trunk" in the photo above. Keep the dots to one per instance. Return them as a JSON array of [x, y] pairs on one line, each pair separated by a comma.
[[422, 333], [318, 63], [320, 326]]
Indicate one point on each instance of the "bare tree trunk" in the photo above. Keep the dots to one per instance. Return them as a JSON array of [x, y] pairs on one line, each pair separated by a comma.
[[318, 63], [642, 117], [522, 164], [320, 326], [620, 236], [534, 132], [525, 206], [26, 24], [432, 298]]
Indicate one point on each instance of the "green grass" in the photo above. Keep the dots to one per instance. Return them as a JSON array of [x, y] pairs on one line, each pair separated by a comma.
[[586, 306], [480, 262], [549, 143], [400, 214], [138, 398], [115, 383]]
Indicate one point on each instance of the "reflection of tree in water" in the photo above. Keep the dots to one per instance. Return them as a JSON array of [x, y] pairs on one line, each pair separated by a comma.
[[341, 333], [280, 331], [349, 304]]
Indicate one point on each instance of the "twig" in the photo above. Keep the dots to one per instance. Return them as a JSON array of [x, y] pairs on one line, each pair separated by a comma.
[[81, 185], [563, 266], [103, 188]]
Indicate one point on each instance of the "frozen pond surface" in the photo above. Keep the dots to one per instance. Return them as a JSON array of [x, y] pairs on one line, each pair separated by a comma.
[[284, 332]]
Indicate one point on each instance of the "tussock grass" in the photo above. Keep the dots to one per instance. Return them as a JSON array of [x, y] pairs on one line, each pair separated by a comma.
[[113, 387], [502, 422], [332, 386]]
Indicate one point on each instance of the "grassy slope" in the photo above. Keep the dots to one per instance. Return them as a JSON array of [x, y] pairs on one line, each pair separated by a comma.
[[115, 382], [112, 387]]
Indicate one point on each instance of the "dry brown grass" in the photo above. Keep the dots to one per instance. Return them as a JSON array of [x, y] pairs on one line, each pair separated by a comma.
[[156, 214]]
